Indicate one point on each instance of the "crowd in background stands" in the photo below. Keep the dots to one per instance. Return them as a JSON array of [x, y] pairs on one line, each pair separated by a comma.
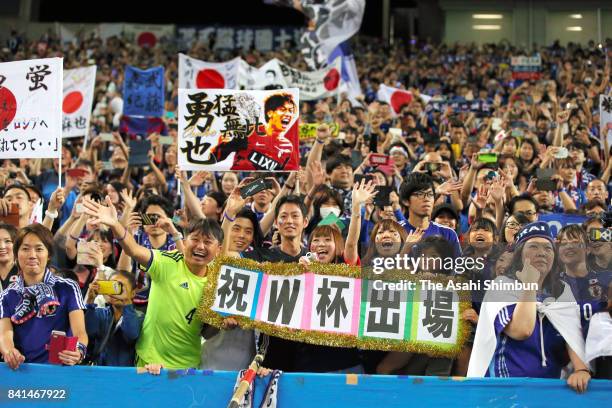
[[444, 201]]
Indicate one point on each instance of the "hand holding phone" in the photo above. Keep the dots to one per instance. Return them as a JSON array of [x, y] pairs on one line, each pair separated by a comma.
[[12, 217], [60, 342], [110, 287], [255, 187]]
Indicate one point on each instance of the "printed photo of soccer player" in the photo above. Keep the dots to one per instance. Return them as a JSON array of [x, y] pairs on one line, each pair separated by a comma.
[[267, 148]]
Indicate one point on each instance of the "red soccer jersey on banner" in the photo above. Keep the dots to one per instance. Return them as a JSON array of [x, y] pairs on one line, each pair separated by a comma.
[[267, 153]]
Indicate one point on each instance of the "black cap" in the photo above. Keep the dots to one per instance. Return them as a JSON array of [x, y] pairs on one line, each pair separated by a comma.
[[448, 208]]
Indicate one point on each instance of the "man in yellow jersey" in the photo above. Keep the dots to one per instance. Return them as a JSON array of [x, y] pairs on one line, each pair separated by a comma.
[[170, 334]]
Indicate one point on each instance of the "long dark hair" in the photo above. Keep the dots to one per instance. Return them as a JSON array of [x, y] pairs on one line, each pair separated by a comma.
[[551, 284]]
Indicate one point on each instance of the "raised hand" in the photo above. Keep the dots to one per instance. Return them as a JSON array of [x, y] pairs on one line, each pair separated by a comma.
[[529, 274], [317, 173], [362, 192], [481, 197], [448, 187], [57, 199], [134, 222], [128, 199], [235, 202], [102, 214], [415, 236]]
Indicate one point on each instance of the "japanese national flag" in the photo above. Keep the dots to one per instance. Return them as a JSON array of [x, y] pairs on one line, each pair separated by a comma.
[[148, 35], [395, 97], [197, 74], [77, 102]]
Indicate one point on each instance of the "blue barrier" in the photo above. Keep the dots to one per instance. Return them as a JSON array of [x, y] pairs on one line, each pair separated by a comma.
[[123, 387]]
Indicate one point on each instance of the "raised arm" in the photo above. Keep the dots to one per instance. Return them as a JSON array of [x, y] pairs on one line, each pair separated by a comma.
[[107, 215], [191, 200], [523, 321], [362, 192]]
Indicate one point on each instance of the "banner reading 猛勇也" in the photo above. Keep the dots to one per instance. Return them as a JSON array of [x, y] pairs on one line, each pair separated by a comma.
[[79, 85], [332, 305], [31, 108], [221, 129]]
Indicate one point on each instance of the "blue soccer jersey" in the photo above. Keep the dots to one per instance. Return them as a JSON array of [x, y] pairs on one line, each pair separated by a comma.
[[32, 336], [541, 355]]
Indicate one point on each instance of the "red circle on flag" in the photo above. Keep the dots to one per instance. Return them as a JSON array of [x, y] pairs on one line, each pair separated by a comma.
[[147, 39], [8, 109], [332, 79], [399, 99], [72, 102], [209, 78]]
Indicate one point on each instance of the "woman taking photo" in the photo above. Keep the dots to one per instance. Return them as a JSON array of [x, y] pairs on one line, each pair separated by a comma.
[[528, 332], [39, 303]]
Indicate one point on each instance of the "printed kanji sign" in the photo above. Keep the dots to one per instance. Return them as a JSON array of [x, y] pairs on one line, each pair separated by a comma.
[[222, 130], [297, 302], [31, 108]]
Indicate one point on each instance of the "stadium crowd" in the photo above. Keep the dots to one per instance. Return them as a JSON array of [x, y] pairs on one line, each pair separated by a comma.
[[469, 183]]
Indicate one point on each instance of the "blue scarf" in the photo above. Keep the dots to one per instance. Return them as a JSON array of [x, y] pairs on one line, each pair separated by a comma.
[[39, 299]]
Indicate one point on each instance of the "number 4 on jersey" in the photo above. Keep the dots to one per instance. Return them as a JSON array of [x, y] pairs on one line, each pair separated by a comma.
[[189, 315]]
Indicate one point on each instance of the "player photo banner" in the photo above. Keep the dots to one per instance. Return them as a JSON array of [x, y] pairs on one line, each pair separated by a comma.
[[79, 87], [222, 129], [330, 305], [31, 108]]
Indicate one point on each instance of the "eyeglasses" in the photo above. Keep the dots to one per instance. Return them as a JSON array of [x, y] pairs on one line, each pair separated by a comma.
[[424, 194], [529, 213], [513, 225]]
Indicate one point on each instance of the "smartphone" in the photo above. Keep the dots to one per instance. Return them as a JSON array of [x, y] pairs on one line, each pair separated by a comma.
[[149, 219], [58, 343], [487, 158], [110, 287], [366, 177], [379, 159], [166, 140], [382, 199], [544, 181], [12, 217], [517, 133], [255, 187], [106, 137], [107, 165], [77, 173]]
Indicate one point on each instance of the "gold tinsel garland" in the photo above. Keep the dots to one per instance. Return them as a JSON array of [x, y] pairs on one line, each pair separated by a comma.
[[207, 315]]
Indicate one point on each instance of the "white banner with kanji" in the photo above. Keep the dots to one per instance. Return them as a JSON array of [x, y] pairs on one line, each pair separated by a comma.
[[197, 74], [31, 108], [79, 85]]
